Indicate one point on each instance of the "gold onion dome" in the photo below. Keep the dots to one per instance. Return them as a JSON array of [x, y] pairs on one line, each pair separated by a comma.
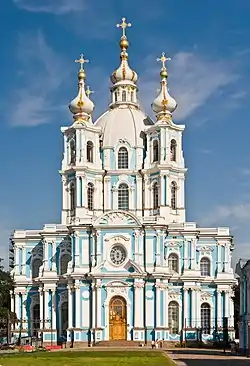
[[164, 104], [81, 106], [124, 72]]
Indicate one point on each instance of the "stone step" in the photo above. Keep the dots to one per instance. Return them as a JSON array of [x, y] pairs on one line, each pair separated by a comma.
[[118, 343]]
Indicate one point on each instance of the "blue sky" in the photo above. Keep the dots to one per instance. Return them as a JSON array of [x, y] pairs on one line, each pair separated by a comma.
[[208, 42]]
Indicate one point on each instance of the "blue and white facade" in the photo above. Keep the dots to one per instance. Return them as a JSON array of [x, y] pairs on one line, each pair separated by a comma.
[[123, 263]]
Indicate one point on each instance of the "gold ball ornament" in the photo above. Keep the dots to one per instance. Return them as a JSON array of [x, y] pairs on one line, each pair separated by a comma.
[[124, 43]]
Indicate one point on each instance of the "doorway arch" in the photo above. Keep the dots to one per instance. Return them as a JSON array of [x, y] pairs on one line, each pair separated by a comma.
[[117, 318]]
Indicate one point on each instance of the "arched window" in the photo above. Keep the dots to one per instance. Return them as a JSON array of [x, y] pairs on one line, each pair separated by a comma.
[[205, 318], [72, 151], [173, 146], [173, 262], [72, 198], [173, 195], [123, 158], [155, 195], [173, 317], [123, 96], [123, 197], [90, 152], [90, 194], [205, 267], [116, 96], [64, 261], [36, 264], [35, 321], [132, 96], [155, 151]]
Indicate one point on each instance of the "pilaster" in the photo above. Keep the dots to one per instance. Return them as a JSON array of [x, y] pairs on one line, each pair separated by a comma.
[[139, 304], [41, 302], [77, 306]]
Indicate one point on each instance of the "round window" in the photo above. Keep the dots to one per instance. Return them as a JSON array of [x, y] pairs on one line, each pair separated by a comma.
[[118, 254]]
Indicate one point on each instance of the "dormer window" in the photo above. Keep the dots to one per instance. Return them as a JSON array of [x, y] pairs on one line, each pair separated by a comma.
[[123, 158]]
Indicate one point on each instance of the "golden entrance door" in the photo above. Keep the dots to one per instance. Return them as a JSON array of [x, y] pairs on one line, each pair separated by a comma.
[[117, 318]]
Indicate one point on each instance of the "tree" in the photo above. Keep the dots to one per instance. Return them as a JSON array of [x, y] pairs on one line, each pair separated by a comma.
[[6, 316]]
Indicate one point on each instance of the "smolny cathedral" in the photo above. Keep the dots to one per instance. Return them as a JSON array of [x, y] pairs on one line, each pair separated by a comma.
[[123, 264]]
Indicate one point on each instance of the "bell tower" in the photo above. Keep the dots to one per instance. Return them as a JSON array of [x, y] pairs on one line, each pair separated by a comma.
[[81, 170], [165, 162]]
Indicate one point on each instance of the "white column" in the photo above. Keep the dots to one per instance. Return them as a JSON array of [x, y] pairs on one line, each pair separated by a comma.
[[139, 192], [54, 308], [46, 309], [158, 249], [227, 255], [46, 255], [193, 253], [23, 260], [40, 290], [198, 308], [107, 197], [53, 264], [18, 304], [186, 243], [158, 304], [12, 301], [93, 306], [162, 190], [194, 308], [139, 304], [131, 198], [77, 250], [24, 310], [231, 311], [165, 307], [219, 258], [185, 305], [98, 304], [219, 309], [78, 193], [77, 306], [78, 146], [70, 307], [17, 271], [226, 299]]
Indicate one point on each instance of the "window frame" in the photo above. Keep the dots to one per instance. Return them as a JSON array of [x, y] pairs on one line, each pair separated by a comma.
[[176, 260], [90, 196], [122, 158], [90, 151], [173, 150], [173, 196], [205, 270], [175, 307], [156, 151], [205, 313], [120, 197]]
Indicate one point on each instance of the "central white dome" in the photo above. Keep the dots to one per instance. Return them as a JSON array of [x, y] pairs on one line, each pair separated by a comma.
[[123, 122]]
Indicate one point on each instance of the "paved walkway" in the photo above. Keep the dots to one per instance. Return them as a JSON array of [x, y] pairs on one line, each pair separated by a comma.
[[190, 357]]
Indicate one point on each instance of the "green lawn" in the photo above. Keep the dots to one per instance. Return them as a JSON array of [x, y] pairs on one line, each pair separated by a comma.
[[88, 358]]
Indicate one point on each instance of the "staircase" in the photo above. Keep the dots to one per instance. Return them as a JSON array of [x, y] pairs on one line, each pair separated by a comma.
[[118, 344]]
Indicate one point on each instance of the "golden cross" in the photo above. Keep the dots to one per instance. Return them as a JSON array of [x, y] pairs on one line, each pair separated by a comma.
[[123, 25], [88, 91], [81, 61], [163, 59]]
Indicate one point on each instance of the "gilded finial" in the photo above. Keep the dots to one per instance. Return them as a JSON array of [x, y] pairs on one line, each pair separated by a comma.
[[88, 91], [163, 59], [81, 61], [124, 26]]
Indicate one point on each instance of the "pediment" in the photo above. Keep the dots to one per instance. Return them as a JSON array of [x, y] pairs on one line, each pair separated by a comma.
[[206, 296], [117, 218]]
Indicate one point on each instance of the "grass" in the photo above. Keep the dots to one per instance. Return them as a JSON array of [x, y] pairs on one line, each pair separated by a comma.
[[87, 358]]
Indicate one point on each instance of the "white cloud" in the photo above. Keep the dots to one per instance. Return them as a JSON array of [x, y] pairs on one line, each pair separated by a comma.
[[57, 7], [193, 80], [222, 214], [42, 73]]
